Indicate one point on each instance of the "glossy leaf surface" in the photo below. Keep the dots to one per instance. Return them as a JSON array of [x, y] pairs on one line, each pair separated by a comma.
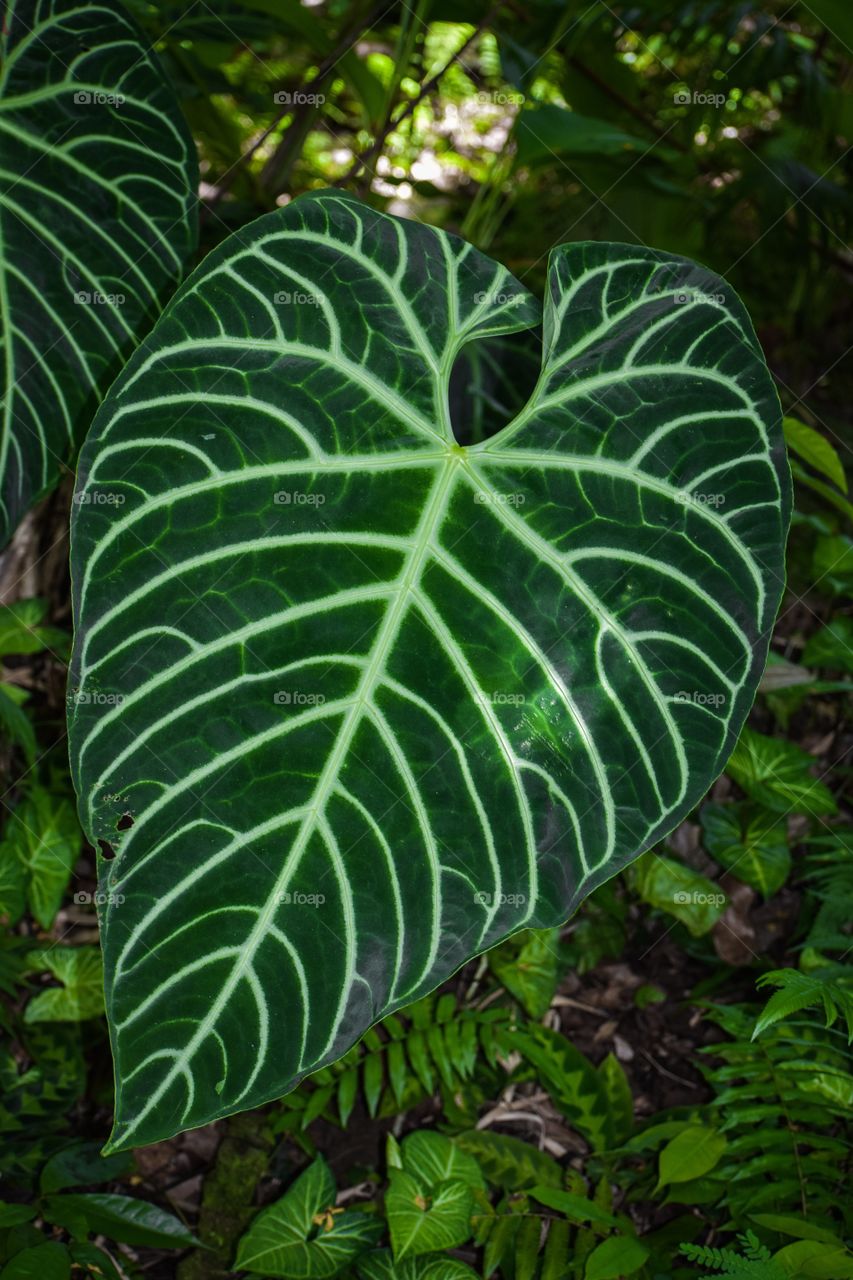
[[371, 700], [97, 219]]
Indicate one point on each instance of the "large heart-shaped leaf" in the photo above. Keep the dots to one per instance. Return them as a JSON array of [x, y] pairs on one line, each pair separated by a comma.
[[97, 217], [371, 700]]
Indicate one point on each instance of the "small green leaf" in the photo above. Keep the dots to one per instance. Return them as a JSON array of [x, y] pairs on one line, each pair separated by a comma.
[[432, 1158], [121, 1218], [576, 1208], [832, 565], [614, 1258], [814, 449], [13, 1214], [619, 1099], [21, 631], [380, 1264], [508, 1162], [749, 842], [43, 834], [423, 1223], [788, 1224], [814, 1260], [527, 1249], [777, 774], [347, 1093], [692, 1154], [13, 883], [500, 1244], [556, 1254], [81, 996], [529, 971], [374, 1079], [679, 890], [832, 645], [83, 1165], [14, 721], [397, 1070], [545, 131], [50, 1261], [303, 1233], [648, 993]]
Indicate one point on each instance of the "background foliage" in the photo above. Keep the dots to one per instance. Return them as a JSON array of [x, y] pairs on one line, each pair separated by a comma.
[[661, 1089]]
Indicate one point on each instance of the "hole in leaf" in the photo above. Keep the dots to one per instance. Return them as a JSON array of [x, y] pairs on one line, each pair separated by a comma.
[[491, 381], [107, 851], [124, 823]]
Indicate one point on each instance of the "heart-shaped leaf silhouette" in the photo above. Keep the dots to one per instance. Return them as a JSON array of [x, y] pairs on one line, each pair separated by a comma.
[[371, 699]]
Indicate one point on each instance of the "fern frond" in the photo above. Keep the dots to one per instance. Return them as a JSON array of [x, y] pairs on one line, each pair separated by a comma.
[[753, 1263], [831, 987]]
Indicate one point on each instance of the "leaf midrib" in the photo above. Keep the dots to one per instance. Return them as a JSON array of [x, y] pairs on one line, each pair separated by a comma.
[[406, 583]]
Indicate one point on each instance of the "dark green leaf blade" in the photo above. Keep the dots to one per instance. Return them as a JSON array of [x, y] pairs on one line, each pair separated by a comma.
[[97, 218], [311, 664]]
